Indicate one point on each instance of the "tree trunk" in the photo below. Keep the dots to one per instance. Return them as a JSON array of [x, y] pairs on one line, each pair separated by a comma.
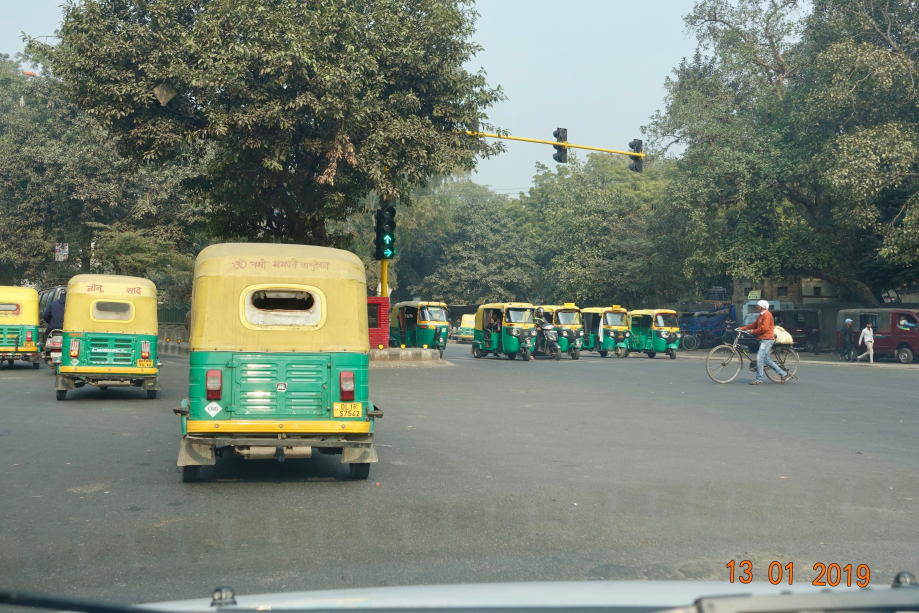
[[858, 288]]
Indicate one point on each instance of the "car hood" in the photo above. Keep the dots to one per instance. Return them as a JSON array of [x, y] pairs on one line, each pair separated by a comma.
[[663, 594]]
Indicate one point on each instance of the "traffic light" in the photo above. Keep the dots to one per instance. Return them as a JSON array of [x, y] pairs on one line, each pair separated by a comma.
[[635, 146], [385, 241], [561, 155]]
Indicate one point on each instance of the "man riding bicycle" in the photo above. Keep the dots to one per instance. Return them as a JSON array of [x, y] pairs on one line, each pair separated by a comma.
[[763, 329]]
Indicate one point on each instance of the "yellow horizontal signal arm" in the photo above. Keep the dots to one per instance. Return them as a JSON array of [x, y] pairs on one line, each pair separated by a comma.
[[552, 142]]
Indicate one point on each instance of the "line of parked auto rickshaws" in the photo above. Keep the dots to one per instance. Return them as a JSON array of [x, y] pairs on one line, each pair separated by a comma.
[[277, 366], [508, 329]]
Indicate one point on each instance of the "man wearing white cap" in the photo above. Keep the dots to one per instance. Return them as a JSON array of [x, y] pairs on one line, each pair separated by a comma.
[[764, 329]]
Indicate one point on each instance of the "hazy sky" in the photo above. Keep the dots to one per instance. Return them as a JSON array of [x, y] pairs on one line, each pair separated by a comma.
[[596, 67]]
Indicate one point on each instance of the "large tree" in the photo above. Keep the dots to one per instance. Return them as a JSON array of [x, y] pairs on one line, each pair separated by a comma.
[[298, 109], [482, 257], [798, 141], [62, 180]]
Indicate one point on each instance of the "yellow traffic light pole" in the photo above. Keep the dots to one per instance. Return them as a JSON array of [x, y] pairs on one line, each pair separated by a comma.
[[555, 143], [384, 273]]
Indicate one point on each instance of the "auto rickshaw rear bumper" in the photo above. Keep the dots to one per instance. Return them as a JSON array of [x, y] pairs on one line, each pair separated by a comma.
[[70, 380], [30, 354], [202, 450]]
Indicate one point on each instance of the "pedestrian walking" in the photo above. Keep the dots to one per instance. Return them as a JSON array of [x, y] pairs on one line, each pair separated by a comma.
[[848, 348], [764, 329], [867, 339]]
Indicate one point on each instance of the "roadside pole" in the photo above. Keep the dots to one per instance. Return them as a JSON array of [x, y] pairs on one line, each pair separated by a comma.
[[384, 273]]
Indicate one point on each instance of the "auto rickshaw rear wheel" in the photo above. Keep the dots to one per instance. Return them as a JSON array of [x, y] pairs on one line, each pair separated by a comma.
[[359, 471], [511, 356], [35, 365], [10, 362], [151, 394], [476, 352], [61, 394], [603, 354], [651, 354], [191, 473]]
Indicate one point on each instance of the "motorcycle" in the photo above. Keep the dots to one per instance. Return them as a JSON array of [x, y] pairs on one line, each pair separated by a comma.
[[51, 352], [547, 342]]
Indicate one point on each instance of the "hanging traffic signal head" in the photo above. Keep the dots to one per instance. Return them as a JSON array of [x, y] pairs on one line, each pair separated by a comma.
[[561, 154], [636, 146], [385, 241]]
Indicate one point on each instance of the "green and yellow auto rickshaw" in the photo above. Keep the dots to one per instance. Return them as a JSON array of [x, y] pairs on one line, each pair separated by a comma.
[[279, 358], [606, 329], [419, 324], [567, 321], [466, 329], [504, 328], [19, 325], [655, 331], [110, 335]]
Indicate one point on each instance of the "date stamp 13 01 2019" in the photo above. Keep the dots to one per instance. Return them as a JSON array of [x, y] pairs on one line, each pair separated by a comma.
[[827, 574]]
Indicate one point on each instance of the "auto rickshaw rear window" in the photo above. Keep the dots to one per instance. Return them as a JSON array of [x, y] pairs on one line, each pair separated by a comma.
[[519, 316], [112, 311], [614, 319], [9, 308], [282, 307]]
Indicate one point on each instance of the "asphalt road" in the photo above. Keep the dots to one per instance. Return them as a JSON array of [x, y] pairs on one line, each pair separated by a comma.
[[490, 470]]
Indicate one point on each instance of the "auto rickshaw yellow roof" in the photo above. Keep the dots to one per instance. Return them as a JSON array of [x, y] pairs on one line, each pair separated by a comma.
[[226, 274], [506, 305], [85, 290], [616, 308], [264, 259], [26, 298], [418, 303], [652, 312], [570, 306]]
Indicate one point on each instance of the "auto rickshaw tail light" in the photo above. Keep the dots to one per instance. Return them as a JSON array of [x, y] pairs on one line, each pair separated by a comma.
[[145, 349], [75, 348], [346, 385], [28, 336], [213, 383]]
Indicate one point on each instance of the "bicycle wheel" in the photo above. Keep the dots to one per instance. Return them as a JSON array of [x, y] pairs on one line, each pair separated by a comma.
[[690, 342], [723, 364], [785, 358]]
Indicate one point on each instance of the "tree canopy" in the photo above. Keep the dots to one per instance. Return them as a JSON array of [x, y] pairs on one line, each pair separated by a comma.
[[297, 110], [800, 142]]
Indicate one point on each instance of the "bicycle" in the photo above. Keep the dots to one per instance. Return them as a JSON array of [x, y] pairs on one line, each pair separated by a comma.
[[725, 362], [690, 342]]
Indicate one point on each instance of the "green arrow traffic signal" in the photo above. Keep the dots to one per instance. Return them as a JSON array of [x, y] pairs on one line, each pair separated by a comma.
[[388, 239]]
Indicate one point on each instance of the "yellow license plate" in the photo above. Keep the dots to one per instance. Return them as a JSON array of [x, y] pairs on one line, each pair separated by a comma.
[[30, 344], [144, 363], [346, 409]]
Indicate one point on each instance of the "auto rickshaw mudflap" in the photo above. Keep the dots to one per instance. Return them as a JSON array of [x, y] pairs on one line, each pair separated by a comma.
[[64, 383], [195, 454]]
